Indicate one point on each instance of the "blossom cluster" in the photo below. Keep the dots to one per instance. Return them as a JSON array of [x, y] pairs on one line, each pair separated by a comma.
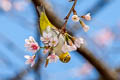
[[51, 39], [8, 5], [87, 17]]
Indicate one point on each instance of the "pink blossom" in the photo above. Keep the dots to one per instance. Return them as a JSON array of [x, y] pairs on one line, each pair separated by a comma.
[[78, 42], [72, 48], [80, 71], [87, 17], [6, 5], [84, 26], [75, 18], [53, 41], [52, 58], [19, 5], [46, 37], [30, 60], [104, 37], [85, 69], [67, 48], [31, 45], [46, 50]]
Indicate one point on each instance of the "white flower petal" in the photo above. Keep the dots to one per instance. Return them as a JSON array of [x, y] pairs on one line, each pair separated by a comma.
[[49, 35], [26, 45], [48, 57], [51, 61], [53, 41], [87, 17], [27, 41], [78, 42], [52, 58], [86, 28], [81, 40], [31, 45], [33, 63], [44, 34], [57, 57], [31, 39], [28, 62], [48, 29], [27, 56], [75, 18], [41, 38], [66, 48], [45, 51], [73, 48]]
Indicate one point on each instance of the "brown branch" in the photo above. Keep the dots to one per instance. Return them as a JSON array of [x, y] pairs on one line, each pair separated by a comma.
[[49, 13], [105, 72], [23, 72], [68, 15]]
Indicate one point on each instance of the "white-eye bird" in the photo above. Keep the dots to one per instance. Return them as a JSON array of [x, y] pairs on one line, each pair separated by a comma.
[[44, 23]]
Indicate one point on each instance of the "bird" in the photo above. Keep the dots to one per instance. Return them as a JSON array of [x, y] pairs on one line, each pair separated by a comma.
[[43, 25]]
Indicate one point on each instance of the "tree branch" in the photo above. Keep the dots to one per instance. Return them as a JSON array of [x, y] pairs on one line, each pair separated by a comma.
[[106, 73], [68, 15]]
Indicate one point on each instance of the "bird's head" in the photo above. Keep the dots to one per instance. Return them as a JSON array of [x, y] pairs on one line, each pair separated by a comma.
[[65, 57]]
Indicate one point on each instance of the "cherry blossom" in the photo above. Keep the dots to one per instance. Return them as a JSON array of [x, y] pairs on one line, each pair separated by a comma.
[[67, 48], [46, 50], [84, 26], [46, 37], [70, 42], [31, 45], [87, 17], [20, 5], [6, 5], [48, 29], [30, 60], [78, 42], [52, 58], [75, 18], [104, 37], [53, 42], [72, 48]]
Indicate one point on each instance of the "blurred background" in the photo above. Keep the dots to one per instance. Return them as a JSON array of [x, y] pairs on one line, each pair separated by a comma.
[[18, 21]]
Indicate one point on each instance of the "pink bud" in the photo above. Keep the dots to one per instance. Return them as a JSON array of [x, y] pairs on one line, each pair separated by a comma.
[[86, 17]]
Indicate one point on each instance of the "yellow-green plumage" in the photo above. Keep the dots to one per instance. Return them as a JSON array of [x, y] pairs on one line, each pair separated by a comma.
[[44, 22]]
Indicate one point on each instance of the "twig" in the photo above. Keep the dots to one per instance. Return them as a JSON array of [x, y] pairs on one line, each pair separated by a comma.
[[68, 15]]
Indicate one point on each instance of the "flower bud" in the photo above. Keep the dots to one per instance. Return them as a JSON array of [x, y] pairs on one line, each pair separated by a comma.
[[75, 18], [84, 26], [86, 17]]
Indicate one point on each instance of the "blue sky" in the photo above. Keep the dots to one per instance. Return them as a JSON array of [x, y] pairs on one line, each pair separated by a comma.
[[15, 29]]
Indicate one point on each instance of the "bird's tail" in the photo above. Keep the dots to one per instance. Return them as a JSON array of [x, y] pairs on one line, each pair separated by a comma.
[[44, 21]]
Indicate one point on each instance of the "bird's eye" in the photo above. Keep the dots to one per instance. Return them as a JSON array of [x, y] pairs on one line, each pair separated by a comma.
[[66, 59]]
